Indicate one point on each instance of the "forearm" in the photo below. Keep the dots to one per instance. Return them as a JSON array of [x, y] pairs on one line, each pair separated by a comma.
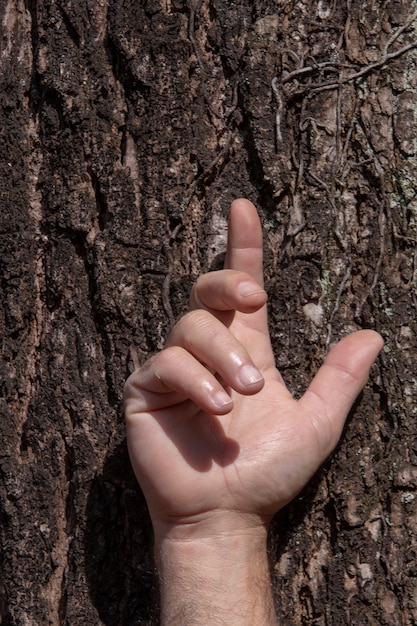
[[221, 581]]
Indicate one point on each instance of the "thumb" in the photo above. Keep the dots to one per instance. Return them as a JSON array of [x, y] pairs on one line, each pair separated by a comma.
[[336, 385]]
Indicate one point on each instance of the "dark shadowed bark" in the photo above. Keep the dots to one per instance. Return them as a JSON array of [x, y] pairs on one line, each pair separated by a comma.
[[127, 127]]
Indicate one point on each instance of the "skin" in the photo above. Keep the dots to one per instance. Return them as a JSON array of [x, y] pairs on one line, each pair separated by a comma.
[[218, 443]]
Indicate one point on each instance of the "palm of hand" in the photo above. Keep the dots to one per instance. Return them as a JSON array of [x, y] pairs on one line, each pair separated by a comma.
[[252, 460]]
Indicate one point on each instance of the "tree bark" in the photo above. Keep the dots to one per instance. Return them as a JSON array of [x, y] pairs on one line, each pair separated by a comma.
[[126, 130]]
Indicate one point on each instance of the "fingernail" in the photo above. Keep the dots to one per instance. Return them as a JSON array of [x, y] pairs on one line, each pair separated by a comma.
[[221, 399], [246, 289], [249, 375]]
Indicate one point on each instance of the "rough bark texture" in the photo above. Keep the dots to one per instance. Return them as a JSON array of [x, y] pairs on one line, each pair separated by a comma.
[[126, 130]]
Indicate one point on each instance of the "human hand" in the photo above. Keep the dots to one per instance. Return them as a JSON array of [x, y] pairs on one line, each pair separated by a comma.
[[228, 455]]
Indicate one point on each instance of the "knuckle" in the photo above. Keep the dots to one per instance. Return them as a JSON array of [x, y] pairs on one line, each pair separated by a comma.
[[198, 331], [194, 300], [201, 323], [132, 396], [194, 319], [168, 358]]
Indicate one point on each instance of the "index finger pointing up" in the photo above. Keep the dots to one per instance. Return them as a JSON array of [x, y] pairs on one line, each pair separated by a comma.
[[244, 244]]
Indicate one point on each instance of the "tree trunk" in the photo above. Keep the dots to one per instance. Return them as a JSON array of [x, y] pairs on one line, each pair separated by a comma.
[[126, 130]]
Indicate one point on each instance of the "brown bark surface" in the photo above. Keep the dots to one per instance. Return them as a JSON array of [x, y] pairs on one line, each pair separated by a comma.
[[126, 130]]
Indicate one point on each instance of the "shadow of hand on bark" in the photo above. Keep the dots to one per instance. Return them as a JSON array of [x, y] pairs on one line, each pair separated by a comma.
[[118, 546]]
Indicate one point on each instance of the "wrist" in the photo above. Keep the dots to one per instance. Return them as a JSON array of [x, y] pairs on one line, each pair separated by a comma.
[[214, 570], [211, 526], [211, 549]]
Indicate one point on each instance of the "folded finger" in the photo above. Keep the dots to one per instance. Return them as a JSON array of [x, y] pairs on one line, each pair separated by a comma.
[[170, 378], [227, 290], [210, 342]]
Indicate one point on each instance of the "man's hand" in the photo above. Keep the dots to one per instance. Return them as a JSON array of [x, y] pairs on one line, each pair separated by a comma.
[[242, 447], [216, 439]]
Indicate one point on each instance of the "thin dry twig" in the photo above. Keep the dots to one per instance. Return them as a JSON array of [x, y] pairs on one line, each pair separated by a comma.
[[386, 58], [337, 305], [280, 107], [308, 69], [329, 66], [195, 8], [399, 31], [210, 167], [165, 295]]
